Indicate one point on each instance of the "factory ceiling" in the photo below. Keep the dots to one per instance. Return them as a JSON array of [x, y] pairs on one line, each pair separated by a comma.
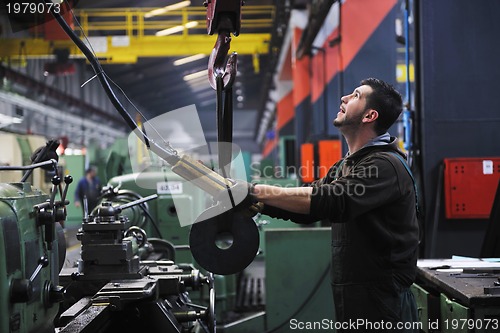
[[148, 70]]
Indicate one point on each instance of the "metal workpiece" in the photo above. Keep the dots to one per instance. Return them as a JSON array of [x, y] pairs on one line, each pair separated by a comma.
[[225, 242], [90, 319]]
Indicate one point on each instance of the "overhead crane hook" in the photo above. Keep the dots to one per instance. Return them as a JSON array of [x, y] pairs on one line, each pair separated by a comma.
[[218, 66], [223, 17]]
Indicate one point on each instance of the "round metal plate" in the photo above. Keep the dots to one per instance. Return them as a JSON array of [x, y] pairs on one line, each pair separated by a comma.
[[224, 244]]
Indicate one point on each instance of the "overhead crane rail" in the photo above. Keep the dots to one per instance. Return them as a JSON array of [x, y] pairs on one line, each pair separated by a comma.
[[121, 35]]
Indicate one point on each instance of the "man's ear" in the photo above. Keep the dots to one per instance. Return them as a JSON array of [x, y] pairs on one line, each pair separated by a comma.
[[370, 116]]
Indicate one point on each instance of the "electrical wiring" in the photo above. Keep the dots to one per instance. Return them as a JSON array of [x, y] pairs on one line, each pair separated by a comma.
[[166, 152], [75, 19]]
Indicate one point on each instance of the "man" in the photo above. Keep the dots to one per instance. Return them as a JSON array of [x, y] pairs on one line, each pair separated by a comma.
[[88, 187], [369, 197]]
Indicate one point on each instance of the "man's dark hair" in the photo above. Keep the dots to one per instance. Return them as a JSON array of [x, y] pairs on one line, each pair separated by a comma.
[[90, 169], [386, 100]]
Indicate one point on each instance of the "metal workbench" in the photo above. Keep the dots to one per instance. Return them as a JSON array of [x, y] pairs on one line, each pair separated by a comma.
[[462, 298]]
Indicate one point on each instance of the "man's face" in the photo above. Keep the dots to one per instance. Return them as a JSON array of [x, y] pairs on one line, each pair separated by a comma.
[[352, 108]]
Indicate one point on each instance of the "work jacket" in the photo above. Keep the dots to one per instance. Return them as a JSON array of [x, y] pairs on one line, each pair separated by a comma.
[[369, 198]]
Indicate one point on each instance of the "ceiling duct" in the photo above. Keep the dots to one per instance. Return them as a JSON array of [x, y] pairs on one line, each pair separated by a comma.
[[318, 12]]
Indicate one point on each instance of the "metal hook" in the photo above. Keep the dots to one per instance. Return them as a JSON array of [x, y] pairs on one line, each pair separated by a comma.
[[219, 64]]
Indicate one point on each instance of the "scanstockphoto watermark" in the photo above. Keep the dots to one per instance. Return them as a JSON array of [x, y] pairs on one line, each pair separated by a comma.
[[303, 172], [357, 324]]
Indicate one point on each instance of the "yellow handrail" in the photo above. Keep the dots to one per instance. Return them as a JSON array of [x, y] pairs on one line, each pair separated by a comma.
[[139, 34], [131, 21]]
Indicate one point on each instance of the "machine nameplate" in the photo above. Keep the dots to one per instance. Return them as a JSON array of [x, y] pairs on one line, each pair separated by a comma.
[[173, 187]]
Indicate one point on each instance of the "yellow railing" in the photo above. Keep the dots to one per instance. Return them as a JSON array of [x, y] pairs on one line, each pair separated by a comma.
[[139, 33], [131, 21]]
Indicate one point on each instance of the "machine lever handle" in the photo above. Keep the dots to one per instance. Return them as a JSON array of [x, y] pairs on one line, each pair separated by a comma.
[[136, 202], [55, 182], [42, 262], [67, 180]]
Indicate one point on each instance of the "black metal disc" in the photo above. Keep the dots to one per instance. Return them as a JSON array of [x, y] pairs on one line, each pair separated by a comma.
[[225, 243]]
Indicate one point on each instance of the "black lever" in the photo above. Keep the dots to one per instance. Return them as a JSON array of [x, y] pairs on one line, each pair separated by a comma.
[[67, 180], [21, 290], [119, 209], [42, 262]]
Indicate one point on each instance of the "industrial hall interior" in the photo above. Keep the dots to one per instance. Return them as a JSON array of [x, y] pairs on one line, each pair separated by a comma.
[[257, 166]]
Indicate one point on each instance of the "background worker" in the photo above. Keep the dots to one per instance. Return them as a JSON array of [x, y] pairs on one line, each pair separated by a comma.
[[88, 187]]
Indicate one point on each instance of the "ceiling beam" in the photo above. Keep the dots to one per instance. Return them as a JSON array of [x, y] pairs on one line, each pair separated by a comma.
[[136, 47]]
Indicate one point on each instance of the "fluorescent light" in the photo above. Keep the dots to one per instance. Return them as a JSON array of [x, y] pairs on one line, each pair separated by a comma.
[[165, 9], [189, 59], [176, 29], [73, 151], [198, 82], [170, 31], [206, 94], [198, 88], [191, 24], [196, 75], [6, 120], [208, 102]]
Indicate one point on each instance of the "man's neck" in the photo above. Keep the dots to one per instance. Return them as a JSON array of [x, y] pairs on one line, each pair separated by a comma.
[[356, 141]]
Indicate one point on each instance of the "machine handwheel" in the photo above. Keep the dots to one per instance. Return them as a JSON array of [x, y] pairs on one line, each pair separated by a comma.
[[138, 233]]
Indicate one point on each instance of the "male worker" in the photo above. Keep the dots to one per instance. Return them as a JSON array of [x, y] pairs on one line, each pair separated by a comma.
[[369, 197], [88, 187]]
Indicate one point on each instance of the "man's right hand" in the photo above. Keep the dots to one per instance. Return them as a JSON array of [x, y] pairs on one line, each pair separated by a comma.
[[239, 196]]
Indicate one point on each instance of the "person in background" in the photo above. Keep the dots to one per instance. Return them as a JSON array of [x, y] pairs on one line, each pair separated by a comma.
[[88, 187]]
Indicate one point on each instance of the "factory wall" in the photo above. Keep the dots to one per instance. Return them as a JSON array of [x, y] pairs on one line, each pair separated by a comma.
[[455, 76], [362, 45], [359, 42], [457, 107]]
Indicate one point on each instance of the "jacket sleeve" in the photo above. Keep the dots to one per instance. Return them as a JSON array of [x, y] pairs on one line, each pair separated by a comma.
[[301, 218], [286, 215], [371, 183]]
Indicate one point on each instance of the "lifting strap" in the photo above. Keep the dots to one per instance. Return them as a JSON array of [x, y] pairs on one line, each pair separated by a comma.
[[417, 204]]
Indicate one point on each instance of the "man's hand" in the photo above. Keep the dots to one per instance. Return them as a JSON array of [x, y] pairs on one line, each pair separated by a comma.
[[77, 203], [239, 196]]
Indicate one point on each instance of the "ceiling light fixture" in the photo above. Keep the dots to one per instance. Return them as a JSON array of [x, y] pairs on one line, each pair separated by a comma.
[[200, 88], [208, 102], [205, 94], [176, 29], [6, 120], [165, 9], [189, 59], [195, 75]]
